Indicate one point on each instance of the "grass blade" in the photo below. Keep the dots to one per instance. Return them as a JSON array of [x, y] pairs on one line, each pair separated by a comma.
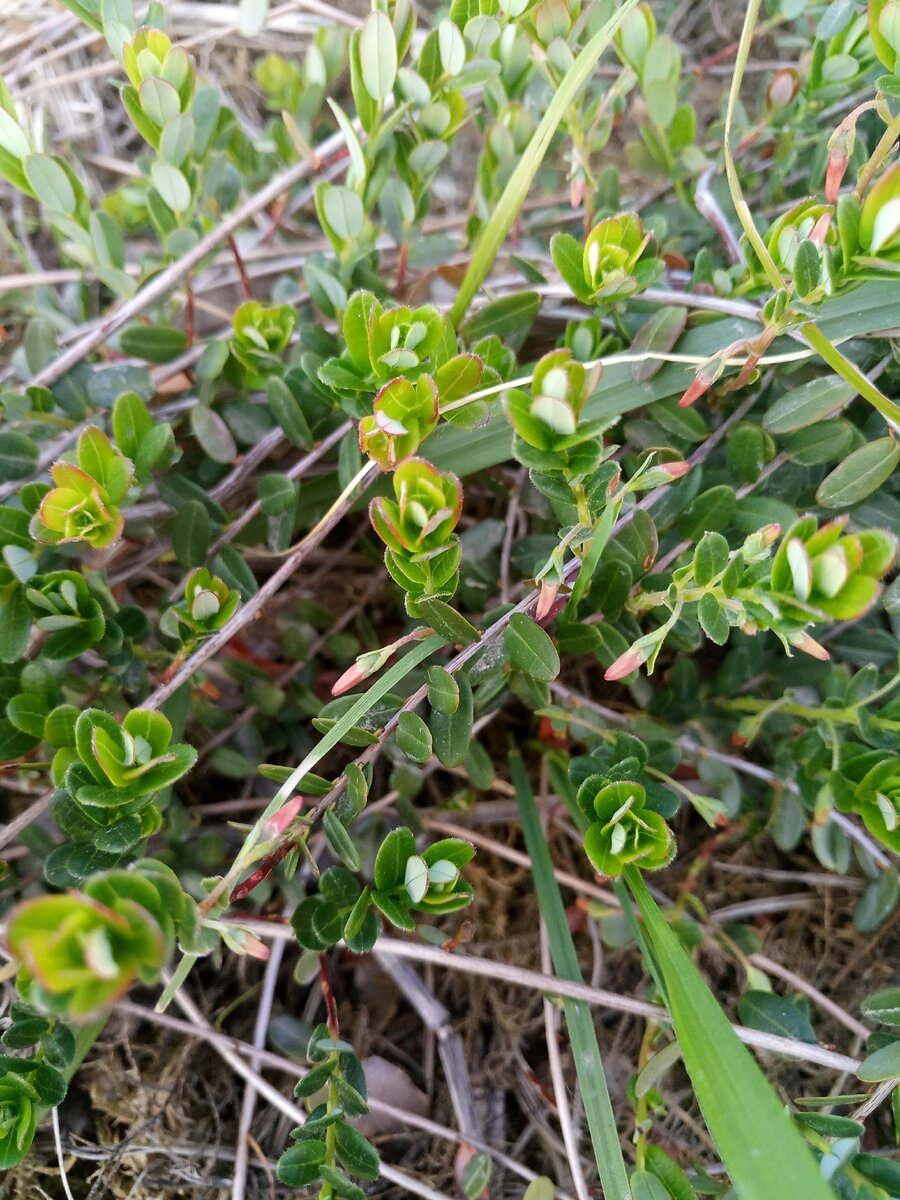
[[764, 1153], [588, 1064], [494, 233]]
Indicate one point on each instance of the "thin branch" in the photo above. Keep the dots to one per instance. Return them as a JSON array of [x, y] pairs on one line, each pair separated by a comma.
[[256, 603], [160, 285], [248, 1105]]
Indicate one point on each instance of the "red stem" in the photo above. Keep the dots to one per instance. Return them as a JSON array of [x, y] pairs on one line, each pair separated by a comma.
[[331, 1013], [242, 270]]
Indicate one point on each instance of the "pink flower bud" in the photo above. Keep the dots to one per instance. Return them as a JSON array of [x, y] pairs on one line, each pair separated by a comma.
[[699, 387], [546, 599], [624, 665], [834, 173], [706, 376], [675, 470], [770, 533], [255, 948], [350, 679], [783, 88], [810, 646], [819, 231], [278, 823]]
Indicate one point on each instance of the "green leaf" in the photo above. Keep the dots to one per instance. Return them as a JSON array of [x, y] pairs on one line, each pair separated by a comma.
[[820, 398], [830, 1125], [155, 343], [677, 1183], [413, 737], [340, 841], [287, 412], [775, 1014], [645, 1186], [883, 1006], [881, 1064], [171, 185], [177, 140], [15, 626], [884, 1172], [860, 474], [378, 55], [807, 267], [503, 318], [531, 649], [446, 621], [343, 209], [710, 558], [18, 456], [395, 912], [50, 183], [477, 1172], [712, 619], [299, 1165], [315, 1079], [131, 422], [390, 861], [443, 691], [190, 534], [658, 335], [579, 1019], [826, 441], [28, 712], [711, 511], [277, 495], [453, 732], [540, 1189], [357, 1153], [213, 434], [340, 1184], [742, 1112]]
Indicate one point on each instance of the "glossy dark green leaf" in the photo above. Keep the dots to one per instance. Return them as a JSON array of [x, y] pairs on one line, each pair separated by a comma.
[[775, 1014], [882, 1006], [451, 733], [713, 620], [154, 343], [414, 737], [511, 316], [340, 841], [657, 336], [191, 534], [446, 621], [18, 455], [443, 690], [881, 1064], [860, 474], [822, 397], [531, 649], [15, 625], [299, 1166], [390, 861]]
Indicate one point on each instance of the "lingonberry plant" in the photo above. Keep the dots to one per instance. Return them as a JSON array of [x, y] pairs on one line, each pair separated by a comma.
[[470, 392]]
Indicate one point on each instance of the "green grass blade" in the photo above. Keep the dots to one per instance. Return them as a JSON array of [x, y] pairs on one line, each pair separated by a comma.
[[763, 1151], [580, 1023], [494, 233]]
